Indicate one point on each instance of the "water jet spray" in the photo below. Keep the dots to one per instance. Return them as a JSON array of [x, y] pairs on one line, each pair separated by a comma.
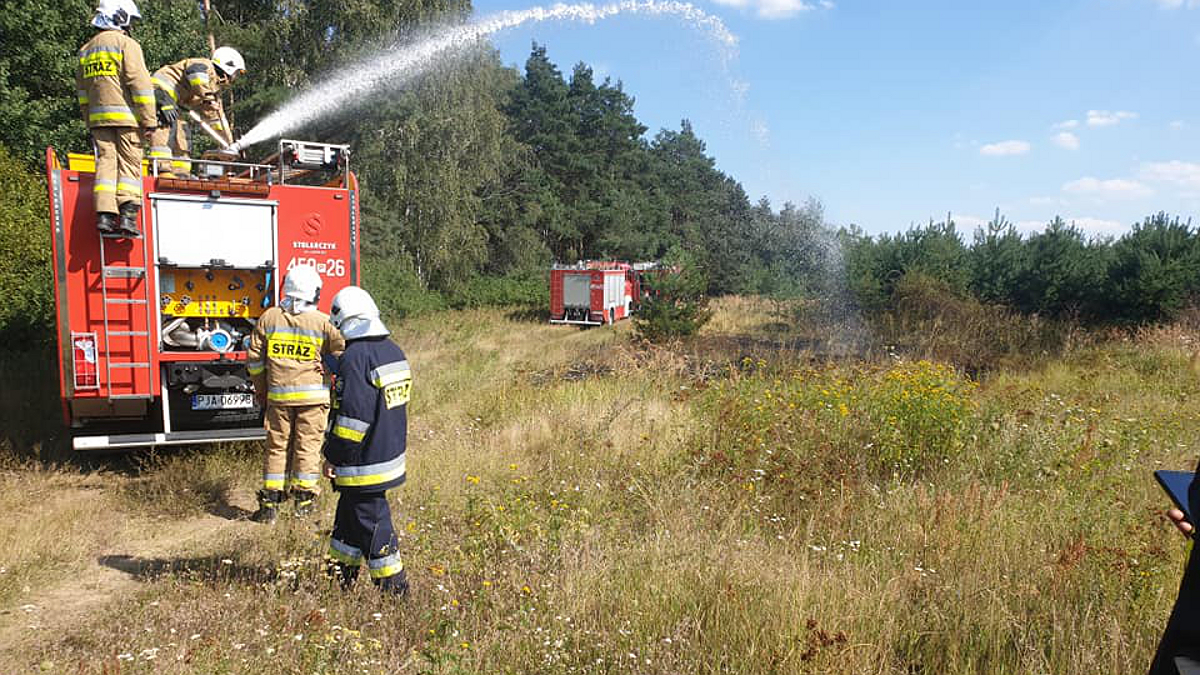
[[400, 62]]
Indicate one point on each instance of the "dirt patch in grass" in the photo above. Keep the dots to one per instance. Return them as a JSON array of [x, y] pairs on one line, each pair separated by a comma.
[[571, 372], [113, 570]]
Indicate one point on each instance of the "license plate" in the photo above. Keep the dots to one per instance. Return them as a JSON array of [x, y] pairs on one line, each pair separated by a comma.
[[222, 401]]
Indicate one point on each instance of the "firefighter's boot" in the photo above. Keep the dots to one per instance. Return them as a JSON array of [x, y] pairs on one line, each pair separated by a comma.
[[306, 502], [268, 506], [106, 223], [396, 585], [129, 223]]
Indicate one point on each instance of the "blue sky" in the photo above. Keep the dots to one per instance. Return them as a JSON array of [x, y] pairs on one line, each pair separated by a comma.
[[894, 111]]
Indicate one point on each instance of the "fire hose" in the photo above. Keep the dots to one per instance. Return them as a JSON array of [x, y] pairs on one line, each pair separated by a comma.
[[225, 147]]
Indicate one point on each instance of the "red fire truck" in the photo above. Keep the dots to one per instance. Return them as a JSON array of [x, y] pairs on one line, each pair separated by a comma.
[[594, 293], [152, 331]]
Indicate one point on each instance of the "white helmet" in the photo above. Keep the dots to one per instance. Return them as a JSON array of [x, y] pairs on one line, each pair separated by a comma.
[[115, 14], [356, 314], [229, 60], [302, 284]]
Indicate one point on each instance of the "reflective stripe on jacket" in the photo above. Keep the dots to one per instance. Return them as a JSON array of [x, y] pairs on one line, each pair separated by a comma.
[[368, 424], [194, 85], [112, 83], [284, 356]]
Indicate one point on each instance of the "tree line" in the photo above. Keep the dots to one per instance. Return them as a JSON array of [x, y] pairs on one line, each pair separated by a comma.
[[1151, 273]]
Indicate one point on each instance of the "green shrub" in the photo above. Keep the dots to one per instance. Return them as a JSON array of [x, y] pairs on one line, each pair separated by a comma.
[[677, 305], [397, 289], [802, 431], [873, 265], [997, 259], [929, 319], [27, 313], [530, 289], [1155, 270], [1065, 273], [918, 412], [29, 400]]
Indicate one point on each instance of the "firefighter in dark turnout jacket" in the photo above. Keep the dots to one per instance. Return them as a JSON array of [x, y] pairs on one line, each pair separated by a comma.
[[1179, 649], [364, 447]]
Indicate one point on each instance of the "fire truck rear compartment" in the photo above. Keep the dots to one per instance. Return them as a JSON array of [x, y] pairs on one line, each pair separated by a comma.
[[153, 331], [211, 394]]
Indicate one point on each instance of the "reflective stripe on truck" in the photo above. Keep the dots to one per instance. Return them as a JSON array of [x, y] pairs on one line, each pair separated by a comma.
[[173, 438]]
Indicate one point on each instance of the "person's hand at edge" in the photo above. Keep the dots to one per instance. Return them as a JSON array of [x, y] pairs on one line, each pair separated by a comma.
[[1180, 521]]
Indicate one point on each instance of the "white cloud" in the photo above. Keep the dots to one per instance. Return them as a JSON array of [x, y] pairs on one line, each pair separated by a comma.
[[1184, 174], [1068, 124], [1178, 124], [777, 9], [1066, 139], [1108, 118], [1176, 4], [1005, 149], [1112, 187]]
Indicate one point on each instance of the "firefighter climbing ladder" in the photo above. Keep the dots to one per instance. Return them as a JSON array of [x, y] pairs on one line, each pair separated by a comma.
[[129, 297]]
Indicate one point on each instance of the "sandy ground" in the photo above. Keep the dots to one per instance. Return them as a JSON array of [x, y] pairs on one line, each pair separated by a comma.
[[113, 570]]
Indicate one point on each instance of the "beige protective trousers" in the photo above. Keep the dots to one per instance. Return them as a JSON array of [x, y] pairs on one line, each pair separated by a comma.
[[171, 141], [294, 437], [118, 167]]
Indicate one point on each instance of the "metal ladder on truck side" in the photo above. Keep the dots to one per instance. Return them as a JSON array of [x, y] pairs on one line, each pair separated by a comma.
[[131, 298]]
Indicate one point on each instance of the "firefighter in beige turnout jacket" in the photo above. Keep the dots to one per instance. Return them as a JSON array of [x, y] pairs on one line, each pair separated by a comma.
[[284, 360], [191, 84], [116, 99]]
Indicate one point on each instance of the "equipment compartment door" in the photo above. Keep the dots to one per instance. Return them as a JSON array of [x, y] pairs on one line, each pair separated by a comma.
[[194, 231], [577, 289], [614, 290]]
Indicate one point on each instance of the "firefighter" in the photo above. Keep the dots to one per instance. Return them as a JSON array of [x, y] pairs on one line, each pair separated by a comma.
[[116, 99], [284, 359], [191, 84], [364, 448]]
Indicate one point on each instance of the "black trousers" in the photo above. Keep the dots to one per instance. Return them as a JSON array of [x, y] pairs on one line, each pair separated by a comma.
[[362, 530], [1181, 639]]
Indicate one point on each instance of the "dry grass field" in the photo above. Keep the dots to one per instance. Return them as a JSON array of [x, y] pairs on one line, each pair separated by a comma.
[[577, 503]]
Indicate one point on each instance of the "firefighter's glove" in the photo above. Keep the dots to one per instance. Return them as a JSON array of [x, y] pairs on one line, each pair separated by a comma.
[[168, 114]]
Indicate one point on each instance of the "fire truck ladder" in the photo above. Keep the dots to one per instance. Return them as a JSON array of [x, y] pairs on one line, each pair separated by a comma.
[[130, 299]]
